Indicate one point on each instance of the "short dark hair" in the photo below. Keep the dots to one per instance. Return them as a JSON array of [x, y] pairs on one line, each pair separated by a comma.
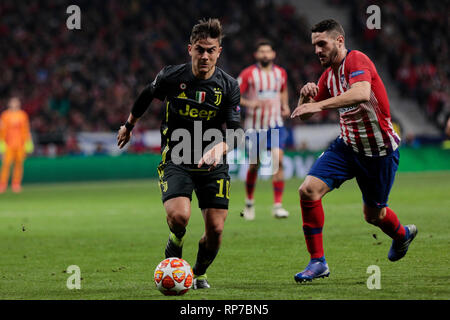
[[328, 25], [263, 42], [207, 28]]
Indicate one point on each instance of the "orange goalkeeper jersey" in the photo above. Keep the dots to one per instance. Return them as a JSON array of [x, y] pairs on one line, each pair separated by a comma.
[[14, 128]]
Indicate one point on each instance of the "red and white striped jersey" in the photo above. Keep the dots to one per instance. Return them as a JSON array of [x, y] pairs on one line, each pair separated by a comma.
[[366, 127], [266, 87]]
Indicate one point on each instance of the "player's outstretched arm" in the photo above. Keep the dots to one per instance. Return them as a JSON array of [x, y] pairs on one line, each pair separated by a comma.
[[139, 107], [156, 89], [359, 92], [124, 134]]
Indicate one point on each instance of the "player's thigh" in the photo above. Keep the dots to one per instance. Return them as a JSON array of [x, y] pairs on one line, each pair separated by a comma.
[[213, 188], [375, 178], [175, 182], [335, 165]]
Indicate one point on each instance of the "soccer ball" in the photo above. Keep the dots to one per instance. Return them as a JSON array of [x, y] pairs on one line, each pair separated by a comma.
[[173, 277]]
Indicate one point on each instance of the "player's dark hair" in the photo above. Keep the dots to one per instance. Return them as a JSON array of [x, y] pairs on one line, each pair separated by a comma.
[[207, 28], [328, 25], [263, 42]]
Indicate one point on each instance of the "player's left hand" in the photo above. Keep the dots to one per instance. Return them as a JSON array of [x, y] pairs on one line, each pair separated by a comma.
[[306, 110], [214, 156]]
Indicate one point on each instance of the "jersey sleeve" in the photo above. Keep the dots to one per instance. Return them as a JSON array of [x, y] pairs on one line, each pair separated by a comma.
[[156, 89], [359, 68], [233, 110], [323, 92], [243, 81], [233, 117]]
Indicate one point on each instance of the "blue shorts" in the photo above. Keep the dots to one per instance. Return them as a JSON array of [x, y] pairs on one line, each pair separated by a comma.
[[264, 138], [374, 175]]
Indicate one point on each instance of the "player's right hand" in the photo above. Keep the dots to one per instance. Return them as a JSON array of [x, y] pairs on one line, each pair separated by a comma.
[[309, 90], [123, 136]]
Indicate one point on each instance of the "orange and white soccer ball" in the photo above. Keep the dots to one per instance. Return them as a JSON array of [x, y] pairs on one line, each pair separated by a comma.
[[173, 276]]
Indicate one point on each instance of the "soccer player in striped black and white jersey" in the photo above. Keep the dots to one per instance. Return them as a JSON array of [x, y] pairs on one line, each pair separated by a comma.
[[264, 94], [367, 148]]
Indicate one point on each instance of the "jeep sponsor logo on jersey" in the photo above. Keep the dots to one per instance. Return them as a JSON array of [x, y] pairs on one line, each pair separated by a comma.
[[197, 113]]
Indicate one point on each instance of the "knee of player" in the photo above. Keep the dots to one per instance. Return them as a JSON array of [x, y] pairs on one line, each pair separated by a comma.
[[373, 216], [307, 192], [215, 230], [253, 167], [280, 164], [371, 219], [178, 219]]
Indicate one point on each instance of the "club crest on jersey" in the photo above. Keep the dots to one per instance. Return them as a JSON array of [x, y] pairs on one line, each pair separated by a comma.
[[218, 95], [343, 82], [200, 96]]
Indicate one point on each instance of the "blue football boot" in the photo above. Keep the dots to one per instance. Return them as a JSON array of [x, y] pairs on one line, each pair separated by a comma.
[[317, 268], [399, 248]]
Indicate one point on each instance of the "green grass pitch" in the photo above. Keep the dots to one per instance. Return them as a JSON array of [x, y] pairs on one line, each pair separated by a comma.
[[116, 233]]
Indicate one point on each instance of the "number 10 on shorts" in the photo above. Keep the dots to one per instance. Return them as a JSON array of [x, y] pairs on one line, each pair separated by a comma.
[[227, 187]]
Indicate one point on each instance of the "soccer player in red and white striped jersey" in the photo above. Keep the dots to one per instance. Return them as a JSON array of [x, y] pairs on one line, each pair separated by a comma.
[[366, 126], [367, 148], [264, 94]]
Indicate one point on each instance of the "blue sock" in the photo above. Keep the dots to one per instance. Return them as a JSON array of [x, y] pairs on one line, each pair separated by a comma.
[[321, 259]]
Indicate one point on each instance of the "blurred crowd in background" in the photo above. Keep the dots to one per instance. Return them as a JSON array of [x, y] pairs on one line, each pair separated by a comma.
[[414, 45], [86, 80]]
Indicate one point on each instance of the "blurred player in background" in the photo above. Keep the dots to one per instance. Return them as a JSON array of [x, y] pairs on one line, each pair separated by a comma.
[[197, 95], [264, 94], [367, 147], [15, 143]]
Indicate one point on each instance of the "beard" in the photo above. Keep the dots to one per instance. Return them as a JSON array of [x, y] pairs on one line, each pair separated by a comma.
[[331, 57], [264, 63]]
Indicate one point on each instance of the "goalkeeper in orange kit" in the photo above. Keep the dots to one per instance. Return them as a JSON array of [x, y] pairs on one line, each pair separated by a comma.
[[15, 143]]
